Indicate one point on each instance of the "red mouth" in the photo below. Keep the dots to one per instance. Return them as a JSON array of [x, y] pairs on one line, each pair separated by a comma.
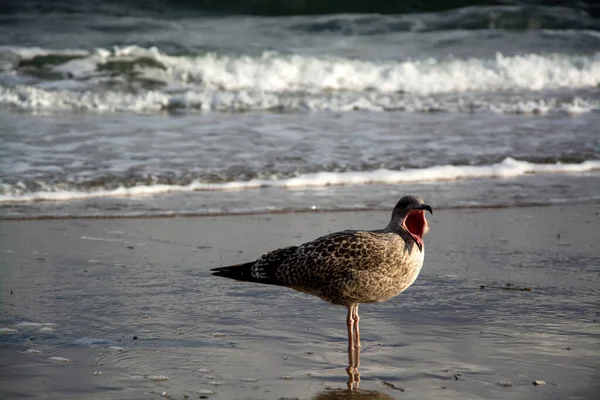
[[416, 224]]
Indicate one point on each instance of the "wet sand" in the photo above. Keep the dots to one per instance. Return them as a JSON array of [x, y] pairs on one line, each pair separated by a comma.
[[128, 303]]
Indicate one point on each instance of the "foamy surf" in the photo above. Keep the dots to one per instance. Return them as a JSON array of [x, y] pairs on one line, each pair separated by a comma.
[[508, 168], [275, 72], [215, 100], [72, 79]]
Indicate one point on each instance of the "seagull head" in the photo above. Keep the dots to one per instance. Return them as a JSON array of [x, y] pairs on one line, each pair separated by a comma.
[[409, 213]]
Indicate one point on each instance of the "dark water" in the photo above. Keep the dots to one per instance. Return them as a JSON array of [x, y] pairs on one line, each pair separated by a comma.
[[273, 7]]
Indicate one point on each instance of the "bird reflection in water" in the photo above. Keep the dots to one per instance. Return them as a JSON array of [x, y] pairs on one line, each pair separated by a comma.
[[345, 394]]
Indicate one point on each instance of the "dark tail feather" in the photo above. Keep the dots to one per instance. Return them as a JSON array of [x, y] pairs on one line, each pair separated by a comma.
[[239, 272], [243, 272]]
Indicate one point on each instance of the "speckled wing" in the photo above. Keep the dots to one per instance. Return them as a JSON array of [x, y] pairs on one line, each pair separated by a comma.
[[265, 268], [336, 256]]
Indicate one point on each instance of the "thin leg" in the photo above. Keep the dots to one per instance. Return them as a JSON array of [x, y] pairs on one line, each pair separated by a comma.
[[350, 326], [356, 337], [357, 346], [351, 361]]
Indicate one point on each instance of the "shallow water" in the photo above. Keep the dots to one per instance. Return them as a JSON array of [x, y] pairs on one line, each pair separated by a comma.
[[216, 164], [133, 300]]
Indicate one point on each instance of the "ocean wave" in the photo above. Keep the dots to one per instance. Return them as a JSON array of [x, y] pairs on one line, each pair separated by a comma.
[[31, 98], [147, 80], [294, 73], [508, 168], [307, 74]]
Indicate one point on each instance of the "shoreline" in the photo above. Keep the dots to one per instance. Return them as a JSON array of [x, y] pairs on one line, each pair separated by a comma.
[[295, 211]]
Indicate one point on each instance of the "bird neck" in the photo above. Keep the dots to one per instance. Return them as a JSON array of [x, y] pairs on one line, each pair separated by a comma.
[[395, 225]]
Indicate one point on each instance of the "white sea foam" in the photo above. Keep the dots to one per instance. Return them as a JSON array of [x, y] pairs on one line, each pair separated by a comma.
[[279, 81], [32, 98], [274, 72], [277, 73], [505, 169]]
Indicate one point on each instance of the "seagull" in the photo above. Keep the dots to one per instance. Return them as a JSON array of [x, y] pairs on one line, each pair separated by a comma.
[[348, 267]]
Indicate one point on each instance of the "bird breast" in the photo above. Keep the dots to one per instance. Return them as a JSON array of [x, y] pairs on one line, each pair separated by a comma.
[[389, 275], [394, 276]]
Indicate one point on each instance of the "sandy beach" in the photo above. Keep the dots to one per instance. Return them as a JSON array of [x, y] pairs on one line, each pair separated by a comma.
[[126, 308]]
